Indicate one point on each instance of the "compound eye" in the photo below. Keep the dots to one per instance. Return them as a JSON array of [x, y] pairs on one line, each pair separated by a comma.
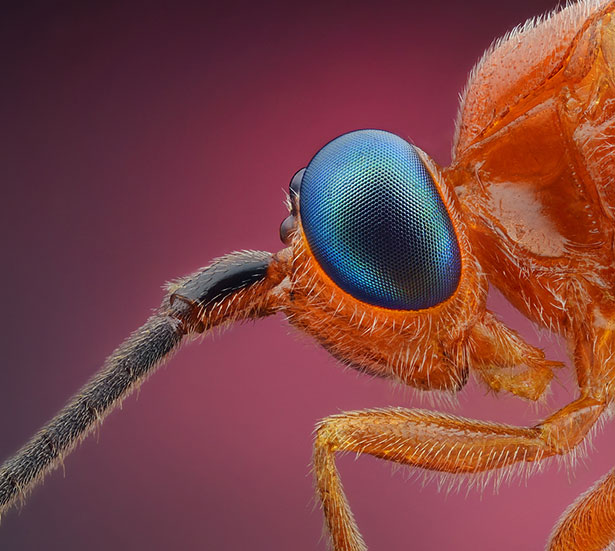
[[376, 223]]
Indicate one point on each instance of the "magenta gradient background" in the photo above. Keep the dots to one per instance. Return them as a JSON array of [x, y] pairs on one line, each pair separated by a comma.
[[142, 140]]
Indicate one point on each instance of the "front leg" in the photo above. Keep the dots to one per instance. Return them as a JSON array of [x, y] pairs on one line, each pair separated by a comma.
[[505, 362], [435, 442]]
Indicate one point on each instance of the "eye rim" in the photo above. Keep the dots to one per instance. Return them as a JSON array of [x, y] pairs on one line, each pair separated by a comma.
[[452, 209]]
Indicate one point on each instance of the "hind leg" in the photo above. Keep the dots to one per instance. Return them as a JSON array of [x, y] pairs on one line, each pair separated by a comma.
[[589, 524]]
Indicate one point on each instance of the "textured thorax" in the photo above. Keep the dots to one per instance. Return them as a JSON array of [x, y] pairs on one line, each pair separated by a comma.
[[534, 178]]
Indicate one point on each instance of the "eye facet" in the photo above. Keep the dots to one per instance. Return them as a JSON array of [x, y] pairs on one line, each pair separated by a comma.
[[376, 223]]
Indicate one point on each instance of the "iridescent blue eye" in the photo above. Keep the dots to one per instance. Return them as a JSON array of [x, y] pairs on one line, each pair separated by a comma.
[[376, 223]]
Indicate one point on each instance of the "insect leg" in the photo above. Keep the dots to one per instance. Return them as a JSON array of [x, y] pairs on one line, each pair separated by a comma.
[[232, 288], [436, 442], [506, 362], [589, 524]]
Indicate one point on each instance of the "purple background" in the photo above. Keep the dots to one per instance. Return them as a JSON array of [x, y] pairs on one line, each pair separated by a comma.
[[137, 144]]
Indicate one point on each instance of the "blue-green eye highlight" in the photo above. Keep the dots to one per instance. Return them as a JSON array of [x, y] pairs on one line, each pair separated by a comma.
[[376, 223]]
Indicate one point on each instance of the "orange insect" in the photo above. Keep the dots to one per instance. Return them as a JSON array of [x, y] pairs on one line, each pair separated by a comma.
[[386, 264]]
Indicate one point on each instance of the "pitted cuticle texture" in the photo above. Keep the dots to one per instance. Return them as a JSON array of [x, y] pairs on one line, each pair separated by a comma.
[[376, 223]]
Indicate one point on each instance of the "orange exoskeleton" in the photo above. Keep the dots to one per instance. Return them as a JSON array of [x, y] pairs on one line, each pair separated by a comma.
[[387, 262]]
